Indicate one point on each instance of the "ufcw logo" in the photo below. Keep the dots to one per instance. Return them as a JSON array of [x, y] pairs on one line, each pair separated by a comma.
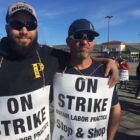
[[38, 68]]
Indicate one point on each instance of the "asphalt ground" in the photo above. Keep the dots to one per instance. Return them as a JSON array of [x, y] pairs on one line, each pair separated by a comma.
[[130, 117]]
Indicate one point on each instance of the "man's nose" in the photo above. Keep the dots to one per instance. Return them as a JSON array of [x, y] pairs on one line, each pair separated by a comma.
[[84, 40], [24, 30]]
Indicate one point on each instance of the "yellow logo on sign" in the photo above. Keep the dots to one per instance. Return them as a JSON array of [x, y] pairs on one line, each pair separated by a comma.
[[38, 67]]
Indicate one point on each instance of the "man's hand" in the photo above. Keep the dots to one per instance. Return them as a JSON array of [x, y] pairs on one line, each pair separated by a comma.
[[110, 68]]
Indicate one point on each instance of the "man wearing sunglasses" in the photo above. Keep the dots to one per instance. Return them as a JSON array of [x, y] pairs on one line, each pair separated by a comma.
[[26, 73], [84, 105]]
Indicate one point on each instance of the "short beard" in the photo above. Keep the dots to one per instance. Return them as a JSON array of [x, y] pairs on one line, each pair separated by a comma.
[[82, 56], [19, 49]]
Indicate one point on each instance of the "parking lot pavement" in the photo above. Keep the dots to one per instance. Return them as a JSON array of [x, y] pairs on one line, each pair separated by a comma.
[[130, 119]]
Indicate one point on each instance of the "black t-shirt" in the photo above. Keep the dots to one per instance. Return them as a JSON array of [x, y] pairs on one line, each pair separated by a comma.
[[97, 69]]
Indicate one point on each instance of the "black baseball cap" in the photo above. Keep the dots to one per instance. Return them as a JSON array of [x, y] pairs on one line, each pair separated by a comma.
[[82, 25]]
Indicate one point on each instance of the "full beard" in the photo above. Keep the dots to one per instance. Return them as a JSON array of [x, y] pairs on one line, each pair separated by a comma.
[[20, 48]]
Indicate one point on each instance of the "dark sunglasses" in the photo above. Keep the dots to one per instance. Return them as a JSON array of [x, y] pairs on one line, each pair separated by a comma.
[[17, 25], [78, 36]]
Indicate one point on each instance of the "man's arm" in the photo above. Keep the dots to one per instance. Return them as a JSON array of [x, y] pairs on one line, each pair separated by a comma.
[[111, 67], [114, 121]]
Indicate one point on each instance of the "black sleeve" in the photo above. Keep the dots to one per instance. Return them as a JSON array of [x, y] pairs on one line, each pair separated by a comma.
[[115, 99], [62, 56]]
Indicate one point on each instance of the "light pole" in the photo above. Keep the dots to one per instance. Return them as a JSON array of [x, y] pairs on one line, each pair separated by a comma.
[[108, 18]]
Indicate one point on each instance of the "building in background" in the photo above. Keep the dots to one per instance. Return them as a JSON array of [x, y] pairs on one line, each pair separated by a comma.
[[115, 49]]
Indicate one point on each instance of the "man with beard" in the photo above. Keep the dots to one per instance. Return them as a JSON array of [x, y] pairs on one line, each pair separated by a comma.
[[84, 105], [26, 72]]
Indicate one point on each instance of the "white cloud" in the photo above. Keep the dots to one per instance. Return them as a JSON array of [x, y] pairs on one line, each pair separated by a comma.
[[136, 13], [44, 13], [56, 12]]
